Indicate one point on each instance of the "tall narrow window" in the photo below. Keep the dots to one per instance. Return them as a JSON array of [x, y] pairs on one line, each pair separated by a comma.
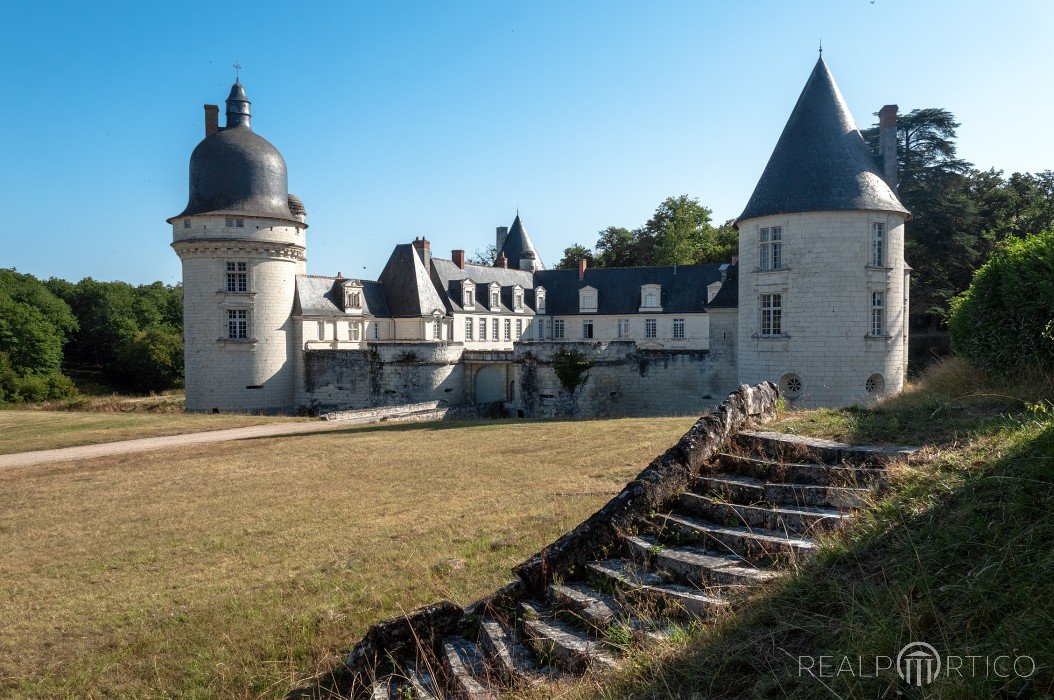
[[437, 328], [649, 299], [878, 244], [771, 314], [540, 322], [468, 298], [494, 299], [353, 331], [587, 328], [376, 330], [468, 328], [237, 324], [770, 248], [623, 328], [678, 328], [519, 328], [321, 330], [878, 313], [508, 329], [494, 329], [519, 301], [237, 276], [651, 328], [558, 328], [483, 329]]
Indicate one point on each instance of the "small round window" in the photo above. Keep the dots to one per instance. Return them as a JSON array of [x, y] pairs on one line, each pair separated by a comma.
[[790, 385], [875, 384]]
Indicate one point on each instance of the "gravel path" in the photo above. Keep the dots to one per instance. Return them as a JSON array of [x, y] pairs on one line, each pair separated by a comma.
[[107, 449]]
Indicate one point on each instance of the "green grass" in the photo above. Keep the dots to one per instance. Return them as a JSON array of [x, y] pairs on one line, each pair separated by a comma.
[[959, 556], [240, 569]]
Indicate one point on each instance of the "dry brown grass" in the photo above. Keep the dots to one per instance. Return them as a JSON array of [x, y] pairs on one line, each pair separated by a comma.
[[24, 430], [236, 569]]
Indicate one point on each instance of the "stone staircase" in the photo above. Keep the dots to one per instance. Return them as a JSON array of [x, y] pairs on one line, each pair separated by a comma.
[[752, 514]]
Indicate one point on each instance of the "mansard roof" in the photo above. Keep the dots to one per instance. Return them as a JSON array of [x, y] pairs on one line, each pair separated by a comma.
[[407, 285], [821, 162], [446, 274], [324, 296], [518, 244], [618, 288]]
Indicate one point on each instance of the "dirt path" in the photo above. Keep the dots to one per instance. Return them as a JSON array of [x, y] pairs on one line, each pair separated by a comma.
[[106, 449]]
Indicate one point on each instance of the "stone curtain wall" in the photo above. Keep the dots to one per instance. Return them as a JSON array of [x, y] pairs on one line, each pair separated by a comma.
[[622, 380], [666, 476], [387, 374]]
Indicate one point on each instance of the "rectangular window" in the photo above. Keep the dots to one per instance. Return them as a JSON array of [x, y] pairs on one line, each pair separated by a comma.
[[558, 328], [186, 223], [771, 314], [519, 301], [878, 309], [587, 328], [353, 331], [376, 330], [237, 324], [508, 329], [468, 328], [468, 298], [623, 328], [678, 328], [437, 329], [878, 244], [494, 300], [541, 303], [519, 328], [589, 300], [540, 322], [355, 300], [321, 330], [228, 223], [239, 223], [651, 328], [770, 248], [494, 329], [237, 276]]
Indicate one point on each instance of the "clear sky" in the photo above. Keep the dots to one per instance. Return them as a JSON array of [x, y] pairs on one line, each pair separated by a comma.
[[398, 119]]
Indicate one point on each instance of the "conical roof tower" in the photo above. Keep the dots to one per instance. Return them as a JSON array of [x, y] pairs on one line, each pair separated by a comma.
[[519, 248]]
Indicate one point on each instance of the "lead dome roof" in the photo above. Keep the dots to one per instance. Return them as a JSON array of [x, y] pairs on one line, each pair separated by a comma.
[[237, 172]]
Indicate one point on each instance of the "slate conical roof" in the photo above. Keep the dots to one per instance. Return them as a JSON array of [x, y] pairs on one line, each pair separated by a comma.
[[821, 162], [518, 244]]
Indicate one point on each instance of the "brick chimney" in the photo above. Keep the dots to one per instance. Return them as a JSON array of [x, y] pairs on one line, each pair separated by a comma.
[[458, 256], [212, 119], [887, 143], [582, 264], [500, 236], [424, 249], [502, 261]]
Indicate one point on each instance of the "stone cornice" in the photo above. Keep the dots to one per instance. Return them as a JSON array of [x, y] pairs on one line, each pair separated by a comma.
[[205, 248]]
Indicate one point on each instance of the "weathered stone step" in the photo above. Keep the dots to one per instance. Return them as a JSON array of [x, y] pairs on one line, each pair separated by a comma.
[[417, 685], [466, 669], [698, 566], [801, 520], [747, 490], [802, 473], [797, 448], [673, 598], [508, 657], [559, 643], [758, 546], [596, 609]]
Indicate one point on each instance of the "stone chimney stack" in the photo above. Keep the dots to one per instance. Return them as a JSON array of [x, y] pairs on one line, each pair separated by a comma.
[[502, 261], [499, 238], [582, 264], [212, 119], [458, 256], [887, 143], [424, 249]]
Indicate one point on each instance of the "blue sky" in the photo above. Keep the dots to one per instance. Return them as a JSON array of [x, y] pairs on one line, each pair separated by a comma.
[[403, 119]]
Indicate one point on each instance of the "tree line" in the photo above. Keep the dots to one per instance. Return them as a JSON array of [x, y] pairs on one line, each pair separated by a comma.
[[110, 335], [959, 216]]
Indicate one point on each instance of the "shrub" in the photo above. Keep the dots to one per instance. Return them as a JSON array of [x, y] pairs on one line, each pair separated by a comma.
[[571, 367], [1004, 323]]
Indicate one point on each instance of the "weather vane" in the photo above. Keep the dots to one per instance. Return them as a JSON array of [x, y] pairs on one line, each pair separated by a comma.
[[237, 69], [821, 47]]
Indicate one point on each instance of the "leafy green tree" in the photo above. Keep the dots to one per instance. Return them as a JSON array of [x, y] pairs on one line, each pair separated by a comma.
[[618, 247], [151, 360], [574, 253]]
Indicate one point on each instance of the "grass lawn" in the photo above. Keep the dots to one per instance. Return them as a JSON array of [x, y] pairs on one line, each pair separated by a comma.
[[237, 569], [24, 430], [958, 555]]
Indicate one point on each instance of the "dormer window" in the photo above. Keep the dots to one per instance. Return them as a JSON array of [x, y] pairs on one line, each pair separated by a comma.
[[587, 299], [495, 297], [517, 299], [650, 297], [468, 295], [354, 300], [539, 299]]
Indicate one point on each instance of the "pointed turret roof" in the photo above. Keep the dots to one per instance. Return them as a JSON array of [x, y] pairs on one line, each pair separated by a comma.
[[518, 244], [821, 162]]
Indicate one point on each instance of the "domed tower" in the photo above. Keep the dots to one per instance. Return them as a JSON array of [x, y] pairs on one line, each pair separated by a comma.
[[241, 242], [823, 287]]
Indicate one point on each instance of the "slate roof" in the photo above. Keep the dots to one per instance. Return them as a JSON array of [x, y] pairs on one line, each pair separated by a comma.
[[446, 275], [821, 162], [518, 244], [408, 287], [728, 296], [323, 296], [618, 288], [236, 172]]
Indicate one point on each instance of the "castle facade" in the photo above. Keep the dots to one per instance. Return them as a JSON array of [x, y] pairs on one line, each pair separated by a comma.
[[816, 299]]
